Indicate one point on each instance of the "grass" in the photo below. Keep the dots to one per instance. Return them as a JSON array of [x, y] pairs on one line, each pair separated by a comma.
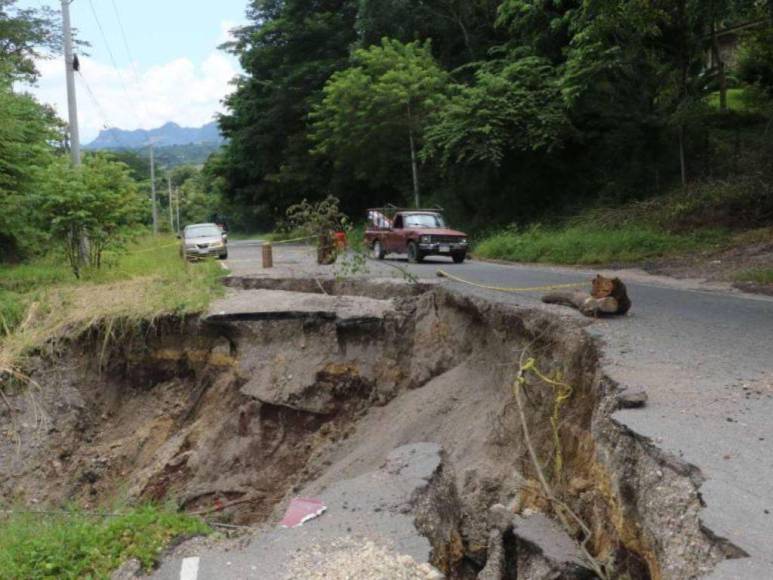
[[43, 299], [756, 275], [712, 215], [588, 244], [77, 545], [736, 100]]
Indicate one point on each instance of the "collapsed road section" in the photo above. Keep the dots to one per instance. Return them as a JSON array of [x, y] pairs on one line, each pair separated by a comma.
[[298, 386]]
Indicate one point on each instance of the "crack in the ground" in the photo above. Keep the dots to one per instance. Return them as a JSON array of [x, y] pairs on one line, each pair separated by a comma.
[[212, 411]]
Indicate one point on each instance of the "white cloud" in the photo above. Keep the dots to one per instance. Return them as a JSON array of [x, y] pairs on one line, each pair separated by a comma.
[[181, 91]]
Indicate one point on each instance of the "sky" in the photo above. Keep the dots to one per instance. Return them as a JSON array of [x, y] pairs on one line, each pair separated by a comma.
[[169, 68]]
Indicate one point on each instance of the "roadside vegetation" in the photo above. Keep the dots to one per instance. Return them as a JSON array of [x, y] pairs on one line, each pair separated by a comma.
[[714, 216], [42, 299], [756, 276], [74, 242], [74, 544], [591, 244], [567, 132]]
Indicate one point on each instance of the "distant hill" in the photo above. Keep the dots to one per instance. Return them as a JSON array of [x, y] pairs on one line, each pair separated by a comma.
[[171, 134]]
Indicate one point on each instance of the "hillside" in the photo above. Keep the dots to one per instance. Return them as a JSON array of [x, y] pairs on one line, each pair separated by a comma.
[[167, 135]]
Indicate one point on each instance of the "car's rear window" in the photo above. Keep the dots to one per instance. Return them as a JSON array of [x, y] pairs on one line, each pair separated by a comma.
[[203, 232]]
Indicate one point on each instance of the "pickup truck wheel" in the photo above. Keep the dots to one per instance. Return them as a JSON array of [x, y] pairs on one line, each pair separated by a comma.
[[414, 254], [459, 257], [377, 251]]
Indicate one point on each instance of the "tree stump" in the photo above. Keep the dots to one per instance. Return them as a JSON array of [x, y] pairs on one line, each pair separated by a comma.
[[326, 250]]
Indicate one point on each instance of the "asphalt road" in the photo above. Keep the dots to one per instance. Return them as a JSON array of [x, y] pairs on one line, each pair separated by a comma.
[[374, 507], [704, 354]]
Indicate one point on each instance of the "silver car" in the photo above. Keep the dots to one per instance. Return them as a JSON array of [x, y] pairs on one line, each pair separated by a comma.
[[202, 241]]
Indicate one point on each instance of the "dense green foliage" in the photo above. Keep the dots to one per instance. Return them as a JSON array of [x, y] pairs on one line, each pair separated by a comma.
[[98, 200], [77, 545], [373, 113], [288, 52], [43, 201], [25, 132], [532, 106]]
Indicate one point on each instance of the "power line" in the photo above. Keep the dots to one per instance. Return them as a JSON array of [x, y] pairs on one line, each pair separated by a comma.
[[112, 59], [123, 36], [106, 121], [129, 55]]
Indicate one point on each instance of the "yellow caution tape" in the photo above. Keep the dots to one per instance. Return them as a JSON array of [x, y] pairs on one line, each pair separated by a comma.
[[304, 238], [154, 248], [444, 274]]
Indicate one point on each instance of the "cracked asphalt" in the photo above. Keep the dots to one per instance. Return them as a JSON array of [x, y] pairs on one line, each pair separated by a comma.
[[702, 352]]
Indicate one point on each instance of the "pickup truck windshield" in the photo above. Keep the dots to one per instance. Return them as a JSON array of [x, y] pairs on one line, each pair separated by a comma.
[[424, 220]]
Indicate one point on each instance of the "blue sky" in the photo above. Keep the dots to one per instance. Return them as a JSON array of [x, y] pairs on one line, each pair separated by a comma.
[[177, 73]]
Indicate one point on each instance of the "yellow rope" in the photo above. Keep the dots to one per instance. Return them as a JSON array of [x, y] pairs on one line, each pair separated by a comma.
[[279, 243], [444, 274], [154, 248], [563, 394]]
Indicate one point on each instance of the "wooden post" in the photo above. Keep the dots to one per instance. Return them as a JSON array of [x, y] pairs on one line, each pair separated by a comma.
[[268, 256]]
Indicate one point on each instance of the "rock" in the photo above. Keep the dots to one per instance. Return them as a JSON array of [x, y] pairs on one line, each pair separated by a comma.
[[495, 561], [128, 570], [500, 518], [632, 399], [545, 550]]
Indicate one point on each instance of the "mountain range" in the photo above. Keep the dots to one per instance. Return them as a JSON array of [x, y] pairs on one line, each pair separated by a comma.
[[164, 136]]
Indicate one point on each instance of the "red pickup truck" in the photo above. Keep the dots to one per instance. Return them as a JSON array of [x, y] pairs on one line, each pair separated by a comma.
[[416, 232]]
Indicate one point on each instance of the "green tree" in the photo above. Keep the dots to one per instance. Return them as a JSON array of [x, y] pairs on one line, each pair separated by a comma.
[[288, 51], [24, 33], [511, 106], [382, 101], [26, 132], [461, 30], [199, 198], [99, 199]]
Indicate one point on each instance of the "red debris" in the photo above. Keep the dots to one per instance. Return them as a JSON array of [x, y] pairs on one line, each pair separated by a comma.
[[301, 510]]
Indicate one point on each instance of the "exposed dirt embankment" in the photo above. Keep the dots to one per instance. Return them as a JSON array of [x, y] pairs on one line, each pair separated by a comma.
[[231, 413]]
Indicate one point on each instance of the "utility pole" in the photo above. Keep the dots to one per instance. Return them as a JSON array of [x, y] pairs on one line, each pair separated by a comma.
[[72, 105], [171, 207], [153, 190], [177, 200], [72, 111]]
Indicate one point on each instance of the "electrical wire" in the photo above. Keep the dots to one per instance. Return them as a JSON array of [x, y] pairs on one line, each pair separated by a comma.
[[100, 109], [113, 61], [129, 55]]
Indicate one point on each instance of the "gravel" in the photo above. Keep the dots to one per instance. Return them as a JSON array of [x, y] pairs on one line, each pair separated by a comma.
[[346, 559]]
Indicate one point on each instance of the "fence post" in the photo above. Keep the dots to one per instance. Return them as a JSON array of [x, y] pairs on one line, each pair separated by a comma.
[[268, 255]]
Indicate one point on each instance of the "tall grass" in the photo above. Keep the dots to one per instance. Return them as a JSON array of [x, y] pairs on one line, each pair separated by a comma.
[[43, 299], [77, 545], [756, 275], [586, 244]]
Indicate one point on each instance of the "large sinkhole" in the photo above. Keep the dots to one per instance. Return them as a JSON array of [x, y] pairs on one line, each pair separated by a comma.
[[294, 382]]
